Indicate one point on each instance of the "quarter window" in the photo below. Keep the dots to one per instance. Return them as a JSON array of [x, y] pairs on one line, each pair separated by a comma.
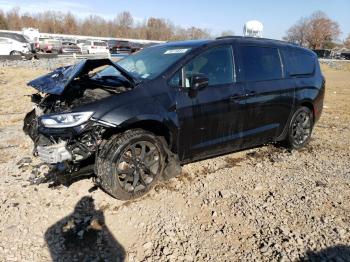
[[261, 63], [300, 63]]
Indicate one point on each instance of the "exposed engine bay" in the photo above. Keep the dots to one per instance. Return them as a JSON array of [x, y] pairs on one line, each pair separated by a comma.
[[62, 91], [81, 91]]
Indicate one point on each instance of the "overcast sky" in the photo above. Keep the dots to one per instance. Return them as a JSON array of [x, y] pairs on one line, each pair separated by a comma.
[[276, 15]]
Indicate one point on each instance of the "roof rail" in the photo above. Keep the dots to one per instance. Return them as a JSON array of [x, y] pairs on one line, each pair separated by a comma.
[[226, 37], [252, 38]]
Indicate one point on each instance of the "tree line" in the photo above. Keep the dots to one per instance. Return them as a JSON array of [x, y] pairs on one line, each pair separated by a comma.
[[122, 26], [316, 31]]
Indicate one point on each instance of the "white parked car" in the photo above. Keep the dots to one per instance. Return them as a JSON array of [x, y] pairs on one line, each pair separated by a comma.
[[96, 47], [10, 46], [83, 45]]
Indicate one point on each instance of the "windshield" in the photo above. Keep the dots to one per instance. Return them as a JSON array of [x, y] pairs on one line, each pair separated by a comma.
[[151, 62], [14, 36], [82, 42], [106, 71]]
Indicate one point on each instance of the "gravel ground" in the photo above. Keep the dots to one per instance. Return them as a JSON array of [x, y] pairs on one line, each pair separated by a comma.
[[43, 63], [265, 204], [46, 64]]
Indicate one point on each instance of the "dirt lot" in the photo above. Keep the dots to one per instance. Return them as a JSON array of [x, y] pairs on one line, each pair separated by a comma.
[[263, 204]]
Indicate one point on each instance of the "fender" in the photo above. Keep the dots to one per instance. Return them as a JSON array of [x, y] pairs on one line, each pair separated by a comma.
[[127, 115]]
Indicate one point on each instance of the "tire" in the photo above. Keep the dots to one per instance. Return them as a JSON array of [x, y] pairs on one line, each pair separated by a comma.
[[300, 128], [129, 164], [15, 53]]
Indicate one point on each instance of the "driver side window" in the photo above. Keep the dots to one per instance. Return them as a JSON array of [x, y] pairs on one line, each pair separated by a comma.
[[215, 63]]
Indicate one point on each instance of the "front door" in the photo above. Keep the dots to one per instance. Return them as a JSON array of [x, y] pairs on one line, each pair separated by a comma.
[[209, 119]]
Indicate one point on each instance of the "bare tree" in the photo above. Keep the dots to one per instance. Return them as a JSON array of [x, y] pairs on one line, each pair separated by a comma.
[[70, 24], [159, 29], [3, 21], [180, 33], [14, 21], [227, 33], [122, 26], [317, 31], [87, 26], [140, 30], [322, 30], [197, 33], [124, 21], [28, 20], [298, 33], [347, 42]]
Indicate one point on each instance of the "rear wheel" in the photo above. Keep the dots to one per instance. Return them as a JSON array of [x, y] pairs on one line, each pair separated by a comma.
[[300, 128], [130, 164]]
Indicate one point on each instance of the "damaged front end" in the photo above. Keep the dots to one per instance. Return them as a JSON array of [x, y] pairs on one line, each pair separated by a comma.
[[64, 131], [67, 149]]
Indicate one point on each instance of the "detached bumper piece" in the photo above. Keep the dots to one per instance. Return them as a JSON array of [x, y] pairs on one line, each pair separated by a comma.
[[54, 154]]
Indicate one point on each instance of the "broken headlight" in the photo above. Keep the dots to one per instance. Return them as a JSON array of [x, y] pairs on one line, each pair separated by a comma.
[[65, 120]]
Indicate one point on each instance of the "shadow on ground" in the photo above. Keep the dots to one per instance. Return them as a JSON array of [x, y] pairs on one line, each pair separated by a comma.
[[45, 174], [83, 236], [339, 253]]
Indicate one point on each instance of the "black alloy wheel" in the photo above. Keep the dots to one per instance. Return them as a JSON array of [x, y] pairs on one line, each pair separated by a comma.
[[137, 166], [130, 164], [300, 128]]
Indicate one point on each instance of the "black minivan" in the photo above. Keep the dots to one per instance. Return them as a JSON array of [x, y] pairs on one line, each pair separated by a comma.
[[138, 120]]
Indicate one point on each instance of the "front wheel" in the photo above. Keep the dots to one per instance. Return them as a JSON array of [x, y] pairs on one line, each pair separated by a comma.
[[300, 128], [130, 164]]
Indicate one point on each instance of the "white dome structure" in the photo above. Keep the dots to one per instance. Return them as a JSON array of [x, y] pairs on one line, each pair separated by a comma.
[[253, 28]]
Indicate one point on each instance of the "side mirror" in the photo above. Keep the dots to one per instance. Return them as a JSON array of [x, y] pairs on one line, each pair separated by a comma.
[[198, 81]]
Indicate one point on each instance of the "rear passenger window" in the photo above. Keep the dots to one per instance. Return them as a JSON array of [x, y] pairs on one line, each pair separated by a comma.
[[300, 63], [261, 63]]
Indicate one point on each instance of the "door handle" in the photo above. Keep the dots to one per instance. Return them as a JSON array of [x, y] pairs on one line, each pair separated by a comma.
[[235, 98], [251, 93]]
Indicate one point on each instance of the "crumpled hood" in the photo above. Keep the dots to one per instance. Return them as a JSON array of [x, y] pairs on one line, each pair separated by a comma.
[[100, 107], [58, 80]]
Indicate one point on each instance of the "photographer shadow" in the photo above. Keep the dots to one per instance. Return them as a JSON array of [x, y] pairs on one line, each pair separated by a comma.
[[336, 253], [83, 236]]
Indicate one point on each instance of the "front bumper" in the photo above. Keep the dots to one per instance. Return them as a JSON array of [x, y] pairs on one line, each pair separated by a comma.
[[99, 51], [70, 145], [71, 51], [53, 154]]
